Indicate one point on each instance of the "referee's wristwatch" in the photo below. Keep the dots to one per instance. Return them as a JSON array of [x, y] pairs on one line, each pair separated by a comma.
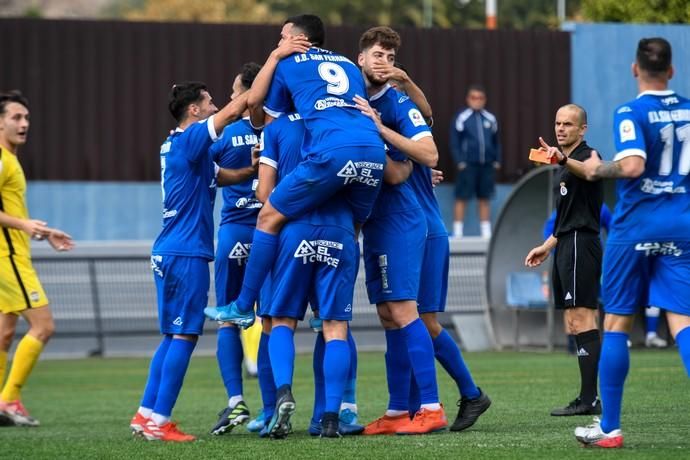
[[564, 160]]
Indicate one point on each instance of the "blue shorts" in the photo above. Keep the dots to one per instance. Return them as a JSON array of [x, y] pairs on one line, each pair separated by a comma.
[[357, 171], [393, 253], [649, 273], [475, 180], [433, 284], [317, 264], [232, 254], [182, 285]]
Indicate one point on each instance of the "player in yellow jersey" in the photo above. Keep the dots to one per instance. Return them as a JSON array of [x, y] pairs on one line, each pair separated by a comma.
[[21, 293]]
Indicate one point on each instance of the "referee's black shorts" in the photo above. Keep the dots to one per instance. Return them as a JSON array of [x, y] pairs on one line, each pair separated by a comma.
[[577, 270]]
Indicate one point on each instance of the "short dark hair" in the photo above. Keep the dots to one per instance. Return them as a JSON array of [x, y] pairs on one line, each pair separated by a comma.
[[654, 55], [476, 87], [248, 74], [182, 95], [12, 96], [581, 112], [311, 25], [388, 38]]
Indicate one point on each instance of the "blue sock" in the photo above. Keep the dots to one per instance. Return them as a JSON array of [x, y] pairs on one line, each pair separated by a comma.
[[319, 383], [448, 354], [651, 322], [683, 342], [336, 365], [229, 354], [614, 363], [154, 380], [349, 396], [414, 400], [172, 375], [398, 371], [421, 352], [265, 375], [281, 348], [261, 258]]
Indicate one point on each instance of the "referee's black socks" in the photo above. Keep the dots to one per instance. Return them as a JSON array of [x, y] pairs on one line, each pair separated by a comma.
[[588, 349]]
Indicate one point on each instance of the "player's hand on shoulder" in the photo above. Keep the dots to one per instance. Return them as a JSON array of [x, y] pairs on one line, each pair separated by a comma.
[[59, 240], [364, 107], [292, 45]]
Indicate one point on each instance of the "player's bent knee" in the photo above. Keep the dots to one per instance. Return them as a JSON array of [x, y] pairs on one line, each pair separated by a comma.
[[432, 325]]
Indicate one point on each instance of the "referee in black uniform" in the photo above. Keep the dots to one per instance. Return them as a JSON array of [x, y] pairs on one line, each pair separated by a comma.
[[577, 266]]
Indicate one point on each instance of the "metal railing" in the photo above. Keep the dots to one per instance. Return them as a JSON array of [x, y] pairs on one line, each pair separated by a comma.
[[103, 290]]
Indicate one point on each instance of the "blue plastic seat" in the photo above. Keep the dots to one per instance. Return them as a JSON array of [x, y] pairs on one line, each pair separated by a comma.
[[524, 292]]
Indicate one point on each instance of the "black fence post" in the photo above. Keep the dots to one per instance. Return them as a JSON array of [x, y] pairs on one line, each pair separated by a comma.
[[97, 318]]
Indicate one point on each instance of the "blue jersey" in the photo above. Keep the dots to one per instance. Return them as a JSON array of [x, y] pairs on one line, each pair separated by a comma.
[[188, 181], [281, 150], [655, 206], [320, 85], [234, 150], [400, 114], [420, 181]]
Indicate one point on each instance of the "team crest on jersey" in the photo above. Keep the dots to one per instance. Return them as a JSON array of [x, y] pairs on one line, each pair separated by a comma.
[[416, 117], [240, 252], [318, 251], [627, 131], [564, 190]]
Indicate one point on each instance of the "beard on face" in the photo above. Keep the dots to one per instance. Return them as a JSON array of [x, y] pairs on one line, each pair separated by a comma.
[[374, 79]]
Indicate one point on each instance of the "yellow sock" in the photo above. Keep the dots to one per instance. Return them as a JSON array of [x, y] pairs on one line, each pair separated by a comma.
[[3, 366], [25, 358], [250, 341]]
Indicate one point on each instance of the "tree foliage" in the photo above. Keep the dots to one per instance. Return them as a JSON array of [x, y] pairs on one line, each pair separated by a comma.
[[243, 11], [650, 11]]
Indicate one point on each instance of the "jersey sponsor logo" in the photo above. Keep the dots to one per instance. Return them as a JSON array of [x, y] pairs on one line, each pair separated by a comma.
[[155, 260], [318, 251], [178, 321], [657, 187], [168, 214], [329, 102], [248, 203], [659, 249], [626, 130], [564, 189], [240, 252], [361, 171], [416, 118]]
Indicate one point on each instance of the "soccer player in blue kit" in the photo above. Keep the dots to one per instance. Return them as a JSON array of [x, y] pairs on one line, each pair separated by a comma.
[[184, 247], [316, 263], [343, 151], [238, 220], [644, 263], [394, 240]]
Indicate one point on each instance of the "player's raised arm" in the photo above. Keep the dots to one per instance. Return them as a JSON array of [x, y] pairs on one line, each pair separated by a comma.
[[287, 46], [232, 111]]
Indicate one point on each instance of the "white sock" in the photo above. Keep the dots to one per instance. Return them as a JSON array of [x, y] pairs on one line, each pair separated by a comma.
[[485, 227], [351, 406], [395, 413], [251, 366], [145, 411], [432, 406], [457, 229], [232, 402], [159, 419], [651, 335]]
